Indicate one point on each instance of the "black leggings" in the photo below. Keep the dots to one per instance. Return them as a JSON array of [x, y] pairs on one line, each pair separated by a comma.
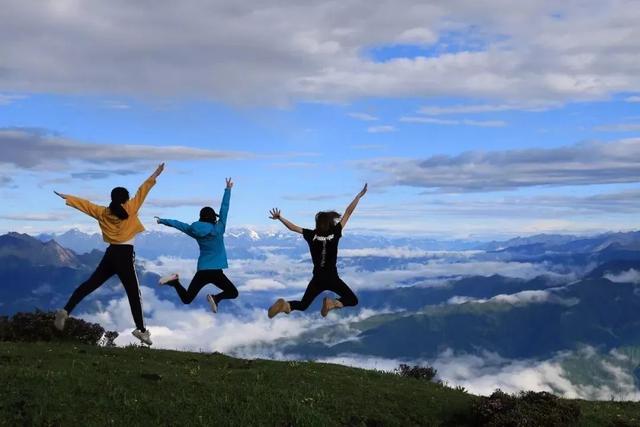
[[321, 282], [202, 279], [118, 260]]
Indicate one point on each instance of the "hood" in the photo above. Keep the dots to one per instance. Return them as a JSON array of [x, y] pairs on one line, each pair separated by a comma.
[[201, 229]]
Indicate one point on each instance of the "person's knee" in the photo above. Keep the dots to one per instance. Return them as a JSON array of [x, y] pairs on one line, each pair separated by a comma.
[[350, 301], [303, 305], [233, 293]]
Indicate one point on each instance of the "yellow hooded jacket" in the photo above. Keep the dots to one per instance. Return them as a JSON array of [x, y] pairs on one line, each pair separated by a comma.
[[114, 229]]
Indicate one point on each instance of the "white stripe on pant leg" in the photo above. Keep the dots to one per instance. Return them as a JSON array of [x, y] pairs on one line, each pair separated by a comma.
[[135, 273]]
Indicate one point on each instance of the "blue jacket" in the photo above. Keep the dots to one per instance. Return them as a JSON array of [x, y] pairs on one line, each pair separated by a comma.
[[210, 237]]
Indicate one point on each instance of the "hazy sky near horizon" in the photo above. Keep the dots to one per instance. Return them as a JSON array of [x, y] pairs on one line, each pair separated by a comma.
[[468, 119]]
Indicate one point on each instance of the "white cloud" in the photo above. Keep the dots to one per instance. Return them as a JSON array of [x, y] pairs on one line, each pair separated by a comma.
[[449, 122], [10, 99], [518, 298], [633, 99], [629, 276], [480, 171], [174, 203], [419, 35], [390, 252], [619, 127], [188, 328], [483, 373], [381, 129], [476, 108], [37, 217], [116, 105], [34, 149], [363, 116], [511, 52], [253, 285]]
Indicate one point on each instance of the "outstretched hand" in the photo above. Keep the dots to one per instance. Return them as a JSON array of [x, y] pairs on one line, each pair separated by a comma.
[[275, 213], [229, 183], [158, 171], [62, 196], [363, 191], [157, 219]]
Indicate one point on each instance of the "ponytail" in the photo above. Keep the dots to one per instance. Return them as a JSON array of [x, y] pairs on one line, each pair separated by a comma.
[[119, 196], [118, 210]]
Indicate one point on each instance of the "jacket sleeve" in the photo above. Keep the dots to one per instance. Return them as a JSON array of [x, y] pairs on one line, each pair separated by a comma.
[[185, 228], [134, 204], [221, 225], [85, 206]]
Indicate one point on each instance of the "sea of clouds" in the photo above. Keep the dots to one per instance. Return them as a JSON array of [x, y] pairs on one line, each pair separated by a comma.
[[242, 328]]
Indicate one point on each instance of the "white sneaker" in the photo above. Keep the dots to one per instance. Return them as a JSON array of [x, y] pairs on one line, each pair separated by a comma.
[[166, 279], [61, 318], [212, 303], [145, 336]]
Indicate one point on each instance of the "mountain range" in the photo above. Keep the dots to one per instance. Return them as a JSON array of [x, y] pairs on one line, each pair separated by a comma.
[[586, 295], [42, 275]]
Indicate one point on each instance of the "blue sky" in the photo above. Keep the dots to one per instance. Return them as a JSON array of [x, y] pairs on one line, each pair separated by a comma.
[[465, 122]]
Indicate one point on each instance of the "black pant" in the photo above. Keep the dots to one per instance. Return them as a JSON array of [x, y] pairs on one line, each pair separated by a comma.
[[325, 281], [202, 279], [118, 260]]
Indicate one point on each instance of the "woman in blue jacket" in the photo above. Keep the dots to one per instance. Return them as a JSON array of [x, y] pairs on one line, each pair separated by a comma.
[[209, 233]]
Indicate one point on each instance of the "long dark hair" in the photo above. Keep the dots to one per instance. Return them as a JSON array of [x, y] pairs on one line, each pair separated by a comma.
[[325, 220], [119, 196], [207, 214]]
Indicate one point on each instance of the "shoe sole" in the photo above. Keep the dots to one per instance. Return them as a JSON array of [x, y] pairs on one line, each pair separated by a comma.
[[167, 279], [325, 307], [277, 307], [143, 340], [59, 322], [212, 304]]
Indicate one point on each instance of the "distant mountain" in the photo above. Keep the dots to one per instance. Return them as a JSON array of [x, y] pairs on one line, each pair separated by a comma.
[[594, 312], [15, 247], [241, 241], [552, 243], [76, 240], [36, 274]]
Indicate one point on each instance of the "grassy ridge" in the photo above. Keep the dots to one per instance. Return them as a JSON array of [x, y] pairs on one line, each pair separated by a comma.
[[62, 384]]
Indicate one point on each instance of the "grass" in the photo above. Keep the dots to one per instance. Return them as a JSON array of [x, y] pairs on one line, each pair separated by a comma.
[[63, 384]]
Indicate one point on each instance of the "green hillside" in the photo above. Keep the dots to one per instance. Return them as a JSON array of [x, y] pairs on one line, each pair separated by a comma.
[[63, 384]]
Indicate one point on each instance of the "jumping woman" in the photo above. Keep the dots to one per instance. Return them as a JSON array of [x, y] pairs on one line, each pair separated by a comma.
[[119, 224], [209, 233], [323, 245]]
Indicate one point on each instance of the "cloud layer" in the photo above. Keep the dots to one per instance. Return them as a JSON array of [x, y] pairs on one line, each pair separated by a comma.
[[585, 163], [37, 150], [275, 52]]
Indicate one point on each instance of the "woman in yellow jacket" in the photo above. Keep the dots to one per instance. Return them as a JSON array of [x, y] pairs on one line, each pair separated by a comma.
[[119, 224]]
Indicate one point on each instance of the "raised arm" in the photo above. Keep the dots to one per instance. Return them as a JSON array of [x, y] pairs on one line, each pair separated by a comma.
[[185, 228], [352, 206], [137, 201], [221, 225], [275, 214], [82, 205]]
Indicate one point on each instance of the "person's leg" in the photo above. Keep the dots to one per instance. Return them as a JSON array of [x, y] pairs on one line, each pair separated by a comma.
[[187, 296], [347, 297], [313, 290], [103, 272], [126, 271], [229, 291], [199, 281]]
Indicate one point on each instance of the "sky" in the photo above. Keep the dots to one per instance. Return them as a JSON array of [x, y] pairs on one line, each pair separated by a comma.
[[467, 119]]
